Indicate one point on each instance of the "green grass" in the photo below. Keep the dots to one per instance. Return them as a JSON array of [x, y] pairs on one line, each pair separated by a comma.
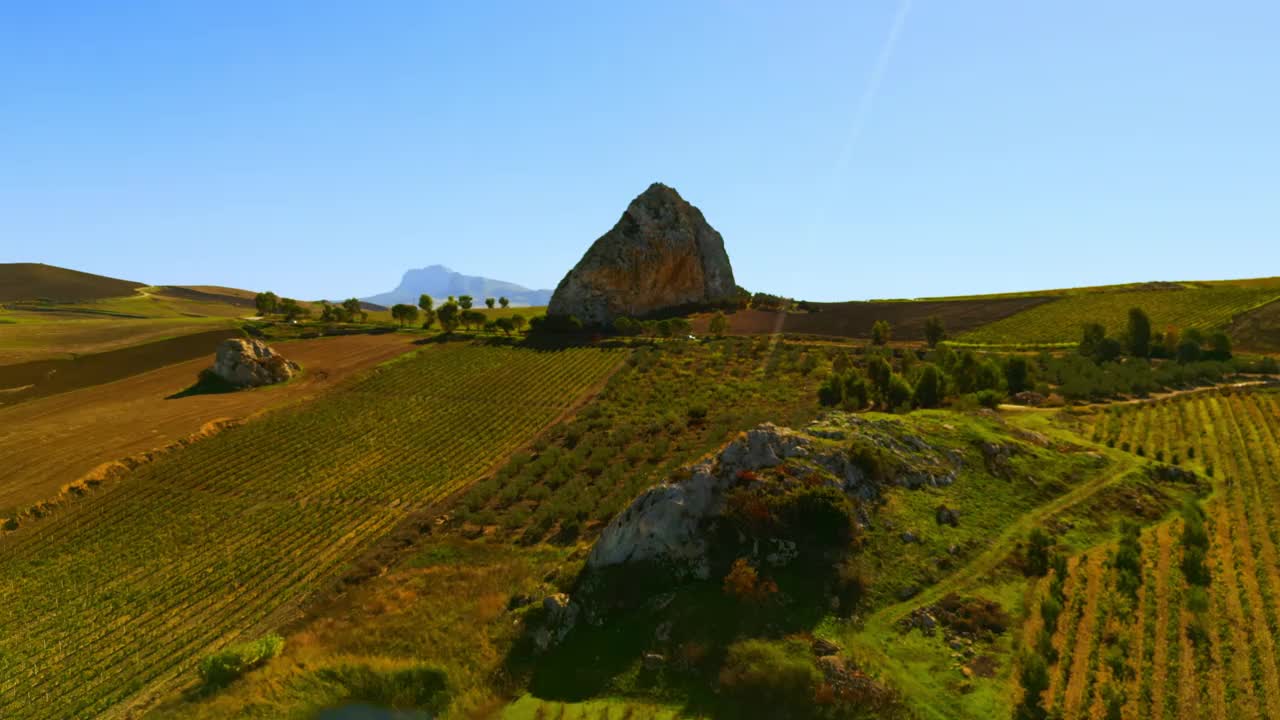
[[227, 536], [1062, 320], [531, 708]]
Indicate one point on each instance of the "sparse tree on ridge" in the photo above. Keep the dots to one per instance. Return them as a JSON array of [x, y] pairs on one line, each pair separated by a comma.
[[488, 302], [934, 332], [473, 318], [465, 301], [404, 313], [291, 309], [448, 316], [880, 332], [505, 325], [267, 302], [504, 302], [354, 310], [425, 302]]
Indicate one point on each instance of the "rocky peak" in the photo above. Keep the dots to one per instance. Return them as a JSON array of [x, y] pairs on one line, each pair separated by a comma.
[[661, 255]]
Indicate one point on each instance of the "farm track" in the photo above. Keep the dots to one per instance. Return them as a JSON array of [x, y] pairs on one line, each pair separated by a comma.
[[121, 593]]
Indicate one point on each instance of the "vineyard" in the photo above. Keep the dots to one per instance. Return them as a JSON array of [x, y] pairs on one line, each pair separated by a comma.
[[1198, 635], [1062, 321], [223, 540], [669, 405]]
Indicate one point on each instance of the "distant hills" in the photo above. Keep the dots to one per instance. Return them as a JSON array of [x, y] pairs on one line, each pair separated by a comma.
[[440, 282], [37, 281]]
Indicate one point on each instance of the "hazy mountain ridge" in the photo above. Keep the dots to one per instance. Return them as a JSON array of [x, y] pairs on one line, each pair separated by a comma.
[[440, 282]]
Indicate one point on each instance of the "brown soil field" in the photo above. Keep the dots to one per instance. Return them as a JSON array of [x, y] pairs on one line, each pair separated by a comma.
[[29, 341], [40, 378], [29, 281], [50, 442], [854, 319]]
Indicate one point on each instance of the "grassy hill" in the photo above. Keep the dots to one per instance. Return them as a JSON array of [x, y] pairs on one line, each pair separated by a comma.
[[36, 281]]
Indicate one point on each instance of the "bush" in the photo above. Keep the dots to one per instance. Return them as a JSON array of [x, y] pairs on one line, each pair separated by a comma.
[[769, 678], [422, 687], [219, 669], [990, 398]]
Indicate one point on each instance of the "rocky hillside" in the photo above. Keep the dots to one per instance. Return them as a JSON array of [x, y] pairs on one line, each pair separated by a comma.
[[661, 255]]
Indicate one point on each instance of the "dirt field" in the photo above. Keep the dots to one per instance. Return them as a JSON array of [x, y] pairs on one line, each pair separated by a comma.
[[28, 281], [49, 442], [40, 378], [854, 319], [40, 339]]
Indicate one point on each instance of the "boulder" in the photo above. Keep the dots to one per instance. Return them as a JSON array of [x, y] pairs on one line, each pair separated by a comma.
[[246, 362], [560, 616], [661, 255]]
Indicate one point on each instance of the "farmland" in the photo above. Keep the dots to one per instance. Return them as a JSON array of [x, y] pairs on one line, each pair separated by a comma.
[[1199, 638], [55, 441], [226, 538], [28, 281], [1061, 321]]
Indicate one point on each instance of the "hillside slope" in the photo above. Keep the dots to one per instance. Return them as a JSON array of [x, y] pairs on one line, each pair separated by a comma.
[[35, 281]]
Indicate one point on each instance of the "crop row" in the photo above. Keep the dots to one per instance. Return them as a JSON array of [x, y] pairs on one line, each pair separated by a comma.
[[227, 537], [1200, 637], [1063, 320]]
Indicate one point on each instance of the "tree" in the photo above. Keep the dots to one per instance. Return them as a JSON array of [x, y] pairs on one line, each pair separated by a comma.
[[447, 315], [934, 332], [473, 318], [880, 332], [664, 328], [719, 323], [505, 325], [428, 319], [291, 309], [327, 311], [1034, 679], [1220, 346], [465, 301], [880, 374], [929, 387], [1108, 349], [1092, 335], [488, 302], [1171, 339], [625, 326], [681, 327], [266, 302], [354, 310], [1039, 550], [1139, 335], [1017, 374], [504, 302], [404, 313], [899, 393], [1188, 351], [518, 322], [425, 302]]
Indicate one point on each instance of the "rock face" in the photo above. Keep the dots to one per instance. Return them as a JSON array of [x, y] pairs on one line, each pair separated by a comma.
[[661, 255], [250, 363]]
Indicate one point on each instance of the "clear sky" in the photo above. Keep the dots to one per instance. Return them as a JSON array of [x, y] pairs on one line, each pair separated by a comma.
[[845, 150]]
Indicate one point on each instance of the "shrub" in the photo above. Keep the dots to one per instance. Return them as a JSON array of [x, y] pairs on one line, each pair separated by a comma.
[[422, 687], [769, 678], [990, 399], [219, 669]]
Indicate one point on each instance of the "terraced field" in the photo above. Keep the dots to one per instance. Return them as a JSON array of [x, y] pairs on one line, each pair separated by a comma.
[[227, 537], [1201, 637], [1061, 321]]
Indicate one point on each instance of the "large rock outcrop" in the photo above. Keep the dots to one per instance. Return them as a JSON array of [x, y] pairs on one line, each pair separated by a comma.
[[661, 255], [249, 363]]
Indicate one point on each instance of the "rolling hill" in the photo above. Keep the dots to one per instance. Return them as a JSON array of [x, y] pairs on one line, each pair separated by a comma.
[[37, 281]]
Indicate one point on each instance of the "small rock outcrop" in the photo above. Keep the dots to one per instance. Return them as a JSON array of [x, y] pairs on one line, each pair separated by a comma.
[[661, 255], [244, 362]]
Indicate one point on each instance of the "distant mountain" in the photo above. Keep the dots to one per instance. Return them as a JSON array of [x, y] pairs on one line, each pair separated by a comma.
[[440, 282]]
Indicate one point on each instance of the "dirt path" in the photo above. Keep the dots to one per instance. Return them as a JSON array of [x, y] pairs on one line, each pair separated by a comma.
[[50, 442]]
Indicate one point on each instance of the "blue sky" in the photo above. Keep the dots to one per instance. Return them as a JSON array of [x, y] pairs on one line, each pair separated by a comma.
[[845, 150]]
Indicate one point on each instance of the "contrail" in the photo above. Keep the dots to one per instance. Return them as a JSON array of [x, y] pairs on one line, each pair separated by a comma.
[[862, 109]]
